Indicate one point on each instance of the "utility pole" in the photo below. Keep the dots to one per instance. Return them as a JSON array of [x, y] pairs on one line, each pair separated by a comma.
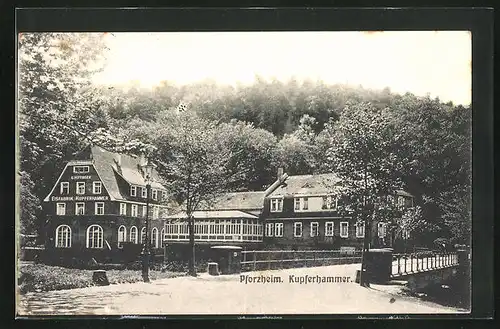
[[146, 253]]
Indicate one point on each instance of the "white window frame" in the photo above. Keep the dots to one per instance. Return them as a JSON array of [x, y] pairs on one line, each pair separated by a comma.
[[156, 212], [358, 230], [99, 205], [381, 230], [133, 190], [86, 169], [134, 210], [295, 225], [277, 203], [100, 237], [143, 235], [162, 236], [296, 204], [123, 209], [144, 192], [78, 187], [278, 230], [144, 211], [63, 212], [164, 195], [154, 237], [154, 193], [122, 236], [329, 228], [346, 224], [305, 203], [133, 233], [313, 224], [269, 229], [65, 232], [64, 186], [76, 208], [97, 187]]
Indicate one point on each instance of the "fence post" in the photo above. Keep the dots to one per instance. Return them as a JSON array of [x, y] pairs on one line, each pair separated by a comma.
[[411, 262], [406, 260], [399, 265], [269, 261]]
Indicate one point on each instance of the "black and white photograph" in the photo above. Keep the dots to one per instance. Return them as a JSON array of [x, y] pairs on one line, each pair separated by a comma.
[[244, 173]]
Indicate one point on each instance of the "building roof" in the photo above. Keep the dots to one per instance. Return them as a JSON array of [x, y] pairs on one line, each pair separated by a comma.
[[129, 170], [215, 214], [251, 200], [307, 184]]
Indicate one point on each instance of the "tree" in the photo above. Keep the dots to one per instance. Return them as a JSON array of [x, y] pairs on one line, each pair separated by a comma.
[[193, 161], [362, 155]]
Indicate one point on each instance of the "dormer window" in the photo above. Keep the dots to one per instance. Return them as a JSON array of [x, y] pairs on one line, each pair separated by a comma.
[[155, 194], [80, 169], [133, 190], [305, 204], [329, 202], [164, 195], [276, 205], [296, 204], [144, 192]]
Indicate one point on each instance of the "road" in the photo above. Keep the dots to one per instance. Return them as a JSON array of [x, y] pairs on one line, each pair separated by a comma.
[[228, 295]]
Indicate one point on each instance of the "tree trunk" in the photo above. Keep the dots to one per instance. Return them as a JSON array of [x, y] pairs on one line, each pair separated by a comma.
[[192, 261]]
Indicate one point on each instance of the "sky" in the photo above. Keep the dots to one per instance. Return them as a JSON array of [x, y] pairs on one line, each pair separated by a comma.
[[437, 63]]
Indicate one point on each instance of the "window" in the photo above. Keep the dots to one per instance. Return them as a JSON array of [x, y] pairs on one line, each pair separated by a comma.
[[329, 202], [154, 237], [80, 187], [344, 229], [296, 204], [381, 230], [97, 187], [360, 230], [269, 229], [297, 229], [405, 234], [278, 229], [276, 205], [133, 234], [80, 208], [401, 201], [162, 237], [64, 187], [329, 229], [94, 237], [81, 169], [133, 190], [123, 209], [143, 235], [164, 195], [155, 194], [156, 212], [144, 192], [305, 205], [99, 208], [134, 210], [61, 209], [314, 229], [144, 211], [122, 236], [63, 236]]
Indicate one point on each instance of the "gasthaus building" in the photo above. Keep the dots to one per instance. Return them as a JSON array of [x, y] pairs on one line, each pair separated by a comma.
[[97, 208]]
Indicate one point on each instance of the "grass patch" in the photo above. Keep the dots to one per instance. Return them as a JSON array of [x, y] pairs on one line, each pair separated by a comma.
[[40, 277]]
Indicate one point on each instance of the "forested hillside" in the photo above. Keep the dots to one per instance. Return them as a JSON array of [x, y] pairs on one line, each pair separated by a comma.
[[305, 127]]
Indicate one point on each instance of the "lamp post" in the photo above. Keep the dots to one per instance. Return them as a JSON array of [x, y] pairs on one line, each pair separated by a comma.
[[148, 168]]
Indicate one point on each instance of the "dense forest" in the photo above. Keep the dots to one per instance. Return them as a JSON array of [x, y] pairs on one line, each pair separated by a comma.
[[236, 137]]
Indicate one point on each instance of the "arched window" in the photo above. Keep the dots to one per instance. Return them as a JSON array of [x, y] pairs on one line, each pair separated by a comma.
[[143, 235], [154, 237], [94, 237], [162, 238], [122, 236], [133, 234], [63, 236]]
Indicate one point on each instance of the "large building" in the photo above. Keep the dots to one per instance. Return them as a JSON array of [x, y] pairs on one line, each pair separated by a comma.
[[97, 209], [294, 212]]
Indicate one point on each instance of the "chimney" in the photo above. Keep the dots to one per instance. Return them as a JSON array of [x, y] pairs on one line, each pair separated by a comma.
[[280, 172]]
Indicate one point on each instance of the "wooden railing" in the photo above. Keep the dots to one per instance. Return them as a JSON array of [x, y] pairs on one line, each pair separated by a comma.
[[254, 260], [404, 264]]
